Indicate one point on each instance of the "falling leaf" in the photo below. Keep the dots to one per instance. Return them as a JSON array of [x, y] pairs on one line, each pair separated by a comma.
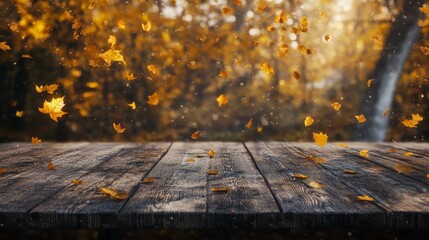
[[403, 168], [369, 82], [308, 121], [296, 75], [424, 9], [249, 123], [364, 153], [281, 18], [76, 181], [118, 128], [35, 140], [319, 160], [54, 108], [259, 129], [130, 76], [51, 166], [361, 118], [148, 180], [3, 170], [417, 117], [219, 189], [121, 24], [19, 113], [327, 37], [211, 153], [4, 46], [153, 99], [108, 191], [112, 41], [212, 172], [348, 171], [196, 135], [267, 69], [40, 88], [26, 56], [227, 10], [112, 55], [223, 73], [299, 176], [51, 88], [412, 123], [153, 69], [147, 26], [408, 154], [320, 138], [190, 160], [132, 105], [222, 100], [315, 184], [425, 50], [365, 198], [336, 106], [386, 110]]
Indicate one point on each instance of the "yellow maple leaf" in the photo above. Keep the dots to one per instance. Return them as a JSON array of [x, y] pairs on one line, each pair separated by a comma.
[[51, 166], [35, 140], [403, 168], [118, 128], [132, 105], [249, 123], [320, 138], [336, 106], [19, 113], [267, 69], [153, 99], [408, 154], [299, 176], [196, 135], [109, 191], [211, 153], [222, 100], [51, 88], [76, 181], [223, 73], [314, 184], [147, 26], [365, 198], [308, 121], [412, 123], [364, 153], [4, 46], [361, 118], [40, 89], [54, 108], [112, 55]]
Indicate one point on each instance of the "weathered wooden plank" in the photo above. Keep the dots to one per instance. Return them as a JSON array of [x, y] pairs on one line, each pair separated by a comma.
[[24, 191], [84, 205], [180, 196], [401, 196], [302, 205]]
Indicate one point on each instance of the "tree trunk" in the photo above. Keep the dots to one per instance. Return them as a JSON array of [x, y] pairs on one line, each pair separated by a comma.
[[387, 72]]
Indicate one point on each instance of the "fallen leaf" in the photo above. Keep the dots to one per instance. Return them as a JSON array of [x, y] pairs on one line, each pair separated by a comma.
[[190, 160], [3, 170], [211, 153], [417, 117], [132, 105], [147, 26], [392, 150], [259, 129], [120, 196], [222, 100], [212, 172], [308, 121], [40, 88], [315, 184], [336, 106], [281, 18], [148, 180], [361, 118], [320, 138], [54, 108], [342, 145], [425, 50], [35, 140], [365, 198], [130, 76], [408, 154], [51, 166], [195, 135], [112, 55], [19, 113], [4, 46], [319, 160], [153, 99], [424, 9], [76, 181], [219, 189], [403, 168], [369, 82], [249, 123], [108, 191], [348, 171], [223, 74], [299, 176], [364, 153]]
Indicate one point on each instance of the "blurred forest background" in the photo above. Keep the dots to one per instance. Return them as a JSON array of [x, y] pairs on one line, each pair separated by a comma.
[[276, 62]]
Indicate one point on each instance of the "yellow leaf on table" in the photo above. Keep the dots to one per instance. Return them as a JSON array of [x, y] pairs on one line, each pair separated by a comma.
[[40, 89], [348, 171], [120, 196], [112, 55], [392, 150], [222, 100], [118, 128], [147, 26], [364, 153], [195, 135], [153, 99], [4, 46], [3, 170], [211, 153], [336, 106], [361, 118], [320, 138], [365, 198], [342, 145], [132, 105], [51, 88], [153, 69], [109, 191], [319, 160], [308, 121], [315, 184], [111, 40], [54, 108], [51, 166], [408, 154], [190, 160], [267, 69], [369, 82], [299, 176], [76, 181], [148, 180], [296, 75], [227, 10], [327, 37], [26, 56], [19, 113], [219, 189], [223, 73], [35, 140], [249, 123], [212, 172], [403, 168]]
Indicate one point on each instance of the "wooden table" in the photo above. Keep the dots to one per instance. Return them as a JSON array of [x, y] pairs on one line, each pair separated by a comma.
[[263, 193]]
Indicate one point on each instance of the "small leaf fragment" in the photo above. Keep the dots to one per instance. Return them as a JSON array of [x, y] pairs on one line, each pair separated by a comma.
[[314, 184], [336, 106], [249, 123], [108, 191], [4, 46], [147, 26], [3, 170], [403, 168], [360, 118], [408, 154], [153, 99], [148, 180], [365, 198], [211, 153], [132, 105], [308, 121], [219, 189], [76, 181], [196, 135], [369, 82], [190, 160], [299, 176], [223, 73], [118, 128], [19, 114], [348, 171], [212, 172], [364, 153], [35, 140], [51, 166], [222, 100]]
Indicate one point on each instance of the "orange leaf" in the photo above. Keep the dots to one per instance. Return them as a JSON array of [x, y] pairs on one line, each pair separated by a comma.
[[348, 171], [386, 110], [219, 189], [369, 82], [365, 198], [361, 118], [26, 56], [19, 113], [299, 176], [196, 135], [267, 69], [403, 168], [223, 74], [364, 153], [427, 176], [336, 106], [392, 150], [76, 181], [111, 40], [211, 153], [153, 69], [51, 166], [130, 76], [315, 184], [249, 123], [132, 105], [226, 10], [153, 99], [424, 9], [281, 18], [147, 26], [53, 108], [222, 100], [4, 46], [308, 121], [212, 172], [118, 128], [320, 138], [51, 88], [3, 170], [148, 180], [190, 160], [112, 55], [35, 140], [412, 123]]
